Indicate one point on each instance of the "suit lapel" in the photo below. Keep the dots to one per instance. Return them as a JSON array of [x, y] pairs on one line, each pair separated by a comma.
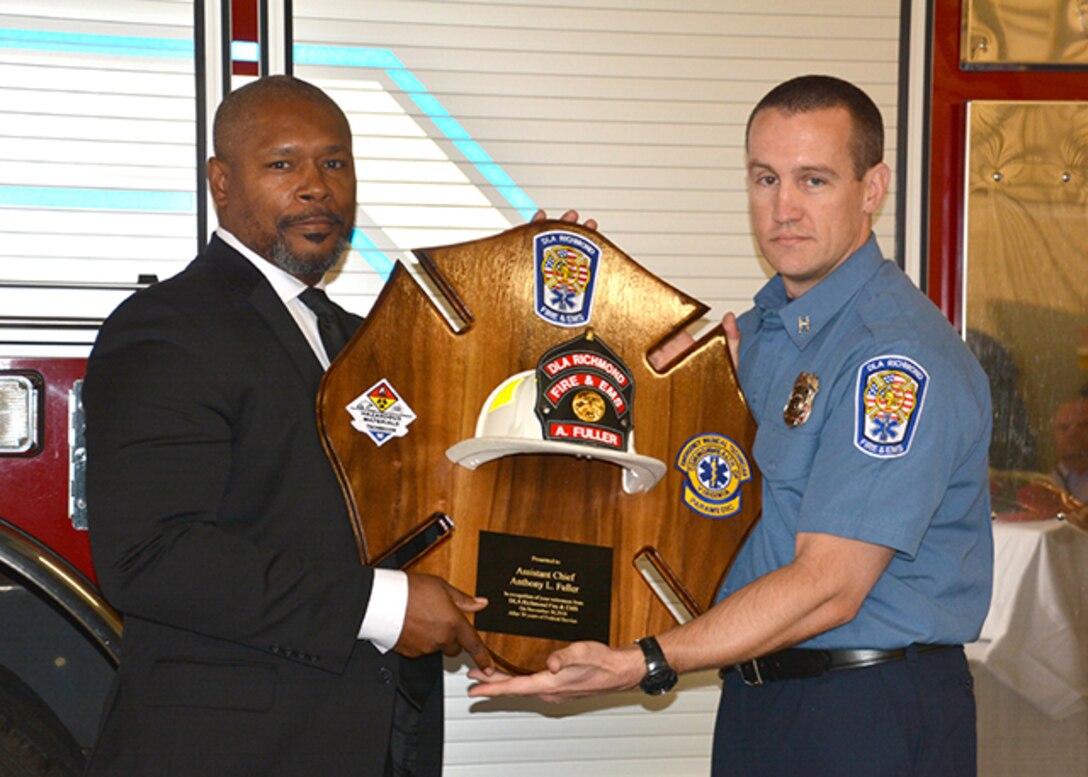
[[249, 282]]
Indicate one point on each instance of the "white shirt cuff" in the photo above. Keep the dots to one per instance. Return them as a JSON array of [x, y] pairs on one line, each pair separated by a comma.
[[384, 616]]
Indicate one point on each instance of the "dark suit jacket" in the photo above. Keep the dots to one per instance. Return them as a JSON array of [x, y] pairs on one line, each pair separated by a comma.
[[219, 530]]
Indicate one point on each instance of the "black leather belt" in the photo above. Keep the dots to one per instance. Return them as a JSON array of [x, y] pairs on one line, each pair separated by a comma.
[[796, 663]]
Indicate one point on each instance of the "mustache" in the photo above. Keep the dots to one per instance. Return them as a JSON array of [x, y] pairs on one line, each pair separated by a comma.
[[318, 213]]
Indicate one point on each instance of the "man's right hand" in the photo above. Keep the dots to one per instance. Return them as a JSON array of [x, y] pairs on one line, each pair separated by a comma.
[[435, 621], [682, 341], [732, 336]]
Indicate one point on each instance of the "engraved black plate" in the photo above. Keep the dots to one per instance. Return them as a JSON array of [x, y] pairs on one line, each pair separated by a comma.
[[544, 588]]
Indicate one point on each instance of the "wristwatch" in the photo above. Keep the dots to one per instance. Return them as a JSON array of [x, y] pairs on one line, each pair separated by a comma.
[[660, 677]]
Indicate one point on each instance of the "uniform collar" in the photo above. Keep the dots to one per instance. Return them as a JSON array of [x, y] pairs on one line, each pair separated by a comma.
[[804, 317]]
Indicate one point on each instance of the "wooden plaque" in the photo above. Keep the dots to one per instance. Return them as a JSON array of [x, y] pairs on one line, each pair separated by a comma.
[[551, 538]]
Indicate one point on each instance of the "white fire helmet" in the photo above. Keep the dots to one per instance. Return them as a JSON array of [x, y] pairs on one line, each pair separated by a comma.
[[508, 425]]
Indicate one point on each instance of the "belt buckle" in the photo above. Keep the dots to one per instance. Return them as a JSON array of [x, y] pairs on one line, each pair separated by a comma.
[[757, 676]]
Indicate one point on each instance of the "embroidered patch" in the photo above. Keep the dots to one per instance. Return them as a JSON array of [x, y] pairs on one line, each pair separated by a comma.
[[566, 274], [714, 467], [891, 392], [381, 413]]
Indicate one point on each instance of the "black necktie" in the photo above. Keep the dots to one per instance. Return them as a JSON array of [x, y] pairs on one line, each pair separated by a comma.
[[330, 316]]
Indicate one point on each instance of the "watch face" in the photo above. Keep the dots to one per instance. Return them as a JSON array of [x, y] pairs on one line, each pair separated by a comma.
[[658, 682]]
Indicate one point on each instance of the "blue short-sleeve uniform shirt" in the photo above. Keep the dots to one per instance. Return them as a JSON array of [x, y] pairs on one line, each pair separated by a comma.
[[893, 451]]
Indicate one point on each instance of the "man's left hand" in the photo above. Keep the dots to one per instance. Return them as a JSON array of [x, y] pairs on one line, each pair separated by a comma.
[[580, 669], [571, 216]]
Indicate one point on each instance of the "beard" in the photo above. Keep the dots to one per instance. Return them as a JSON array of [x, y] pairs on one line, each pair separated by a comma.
[[281, 254]]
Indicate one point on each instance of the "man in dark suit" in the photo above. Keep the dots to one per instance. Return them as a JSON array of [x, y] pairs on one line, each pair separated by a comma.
[[255, 641]]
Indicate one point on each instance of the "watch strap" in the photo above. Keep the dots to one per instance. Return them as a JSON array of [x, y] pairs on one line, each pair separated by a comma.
[[654, 655], [659, 677]]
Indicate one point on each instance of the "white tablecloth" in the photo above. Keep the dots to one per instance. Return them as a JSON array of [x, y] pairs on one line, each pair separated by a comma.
[[1031, 663], [1035, 638]]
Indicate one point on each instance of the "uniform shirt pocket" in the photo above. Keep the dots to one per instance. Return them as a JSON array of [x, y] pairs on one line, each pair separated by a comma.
[[783, 454]]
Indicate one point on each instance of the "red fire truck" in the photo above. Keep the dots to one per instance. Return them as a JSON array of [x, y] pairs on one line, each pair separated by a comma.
[[61, 640]]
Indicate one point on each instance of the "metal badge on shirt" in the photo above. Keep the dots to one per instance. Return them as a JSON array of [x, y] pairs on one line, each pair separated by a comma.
[[799, 406], [890, 395]]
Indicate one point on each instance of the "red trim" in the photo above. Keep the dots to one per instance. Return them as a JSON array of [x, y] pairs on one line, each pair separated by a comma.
[[244, 26], [34, 489], [951, 89]]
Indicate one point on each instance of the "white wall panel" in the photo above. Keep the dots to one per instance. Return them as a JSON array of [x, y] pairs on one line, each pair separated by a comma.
[[628, 734], [101, 15], [97, 151]]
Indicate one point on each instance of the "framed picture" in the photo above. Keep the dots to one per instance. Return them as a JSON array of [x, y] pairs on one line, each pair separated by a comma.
[[1024, 34]]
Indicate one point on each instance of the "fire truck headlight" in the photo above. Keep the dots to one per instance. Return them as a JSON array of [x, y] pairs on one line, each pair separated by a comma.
[[20, 404]]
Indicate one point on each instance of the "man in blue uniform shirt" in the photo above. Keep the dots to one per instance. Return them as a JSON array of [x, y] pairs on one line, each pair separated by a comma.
[[841, 624]]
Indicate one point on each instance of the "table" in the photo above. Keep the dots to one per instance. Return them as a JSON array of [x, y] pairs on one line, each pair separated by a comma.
[[1035, 637], [1031, 661]]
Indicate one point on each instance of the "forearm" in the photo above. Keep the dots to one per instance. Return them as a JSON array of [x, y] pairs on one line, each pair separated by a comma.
[[821, 589], [774, 612]]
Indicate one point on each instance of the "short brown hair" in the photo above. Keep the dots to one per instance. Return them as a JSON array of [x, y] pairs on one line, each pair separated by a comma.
[[816, 92]]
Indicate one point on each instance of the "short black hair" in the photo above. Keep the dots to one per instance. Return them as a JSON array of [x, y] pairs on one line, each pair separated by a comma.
[[238, 106], [818, 92]]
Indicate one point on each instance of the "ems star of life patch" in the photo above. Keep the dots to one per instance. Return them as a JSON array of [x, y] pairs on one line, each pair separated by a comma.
[[715, 467], [381, 413], [891, 391]]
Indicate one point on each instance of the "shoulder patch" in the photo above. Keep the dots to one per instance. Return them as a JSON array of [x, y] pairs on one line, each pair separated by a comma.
[[891, 391]]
